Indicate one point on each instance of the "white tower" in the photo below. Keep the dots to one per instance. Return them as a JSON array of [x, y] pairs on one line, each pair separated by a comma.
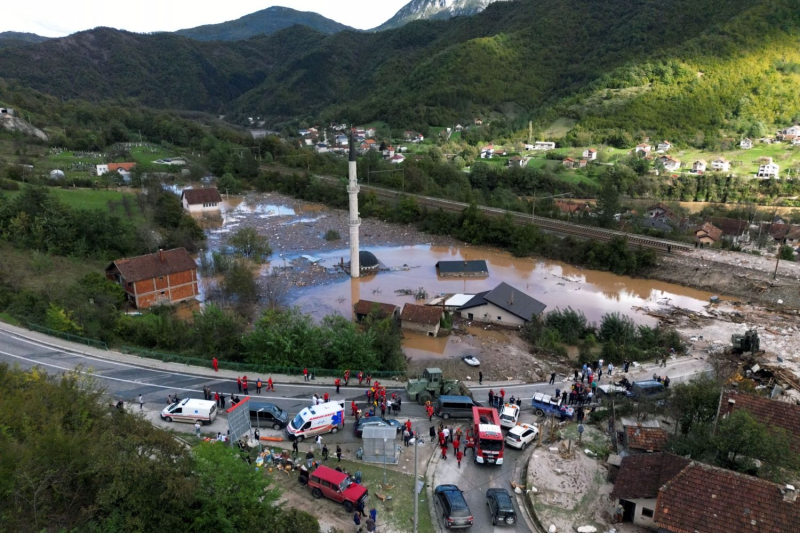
[[355, 222]]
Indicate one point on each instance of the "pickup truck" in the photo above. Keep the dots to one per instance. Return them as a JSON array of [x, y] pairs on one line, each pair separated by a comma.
[[546, 405]]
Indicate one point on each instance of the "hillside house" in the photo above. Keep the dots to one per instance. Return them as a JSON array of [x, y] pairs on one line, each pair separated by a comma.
[[571, 207], [777, 219], [379, 310], [746, 144], [707, 234], [6, 111], [640, 439], [785, 233], [518, 162], [487, 152], [643, 149], [478, 122], [657, 224], [321, 148], [502, 305], [544, 145], [168, 276], [388, 152], [721, 164], [569, 163], [699, 166], [773, 413], [369, 132], [459, 127], [122, 169], [734, 230], [341, 140], [767, 170], [421, 319], [663, 147], [670, 163], [662, 211], [528, 147], [582, 163], [396, 159], [56, 174], [590, 154], [201, 200], [791, 130], [460, 269]]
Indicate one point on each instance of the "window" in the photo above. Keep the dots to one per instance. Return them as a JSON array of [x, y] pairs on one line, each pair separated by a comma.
[[162, 293], [161, 278], [499, 318], [647, 513]]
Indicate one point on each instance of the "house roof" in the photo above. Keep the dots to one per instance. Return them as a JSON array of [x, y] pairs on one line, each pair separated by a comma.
[[366, 307], [642, 145], [784, 231], [509, 299], [421, 314], [471, 267], [592, 151], [707, 499], [201, 196], [647, 439], [770, 412], [515, 158], [730, 226], [640, 476], [709, 229], [113, 167], [154, 265], [567, 206], [701, 162]]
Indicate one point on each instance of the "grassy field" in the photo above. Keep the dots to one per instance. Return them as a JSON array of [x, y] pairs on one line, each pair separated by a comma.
[[559, 127], [745, 162], [84, 198], [34, 270]]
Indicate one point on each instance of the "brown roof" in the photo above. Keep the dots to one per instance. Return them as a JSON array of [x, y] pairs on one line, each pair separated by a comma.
[[201, 196], [770, 412], [422, 314], [154, 265], [647, 439], [567, 206], [730, 226], [707, 499], [112, 167], [640, 476], [709, 229], [365, 307], [784, 231]]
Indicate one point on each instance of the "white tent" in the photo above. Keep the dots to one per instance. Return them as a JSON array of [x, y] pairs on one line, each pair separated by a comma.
[[379, 443]]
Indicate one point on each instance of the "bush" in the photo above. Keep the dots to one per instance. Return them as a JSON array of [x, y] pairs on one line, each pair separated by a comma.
[[332, 235]]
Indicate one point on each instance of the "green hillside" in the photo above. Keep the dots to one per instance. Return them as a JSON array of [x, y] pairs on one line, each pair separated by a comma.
[[264, 22], [694, 71]]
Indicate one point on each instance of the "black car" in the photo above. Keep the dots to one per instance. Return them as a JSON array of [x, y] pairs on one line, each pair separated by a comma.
[[358, 427], [501, 507], [266, 415], [453, 506]]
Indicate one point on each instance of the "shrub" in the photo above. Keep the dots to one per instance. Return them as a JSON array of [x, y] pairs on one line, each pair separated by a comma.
[[332, 235]]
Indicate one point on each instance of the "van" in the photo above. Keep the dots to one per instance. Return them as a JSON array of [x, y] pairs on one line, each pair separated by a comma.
[[647, 390], [191, 410], [311, 421], [265, 415], [454, 406]]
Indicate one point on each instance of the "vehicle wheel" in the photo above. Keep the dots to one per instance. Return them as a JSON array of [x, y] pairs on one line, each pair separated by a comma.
[[202, 423], [334, 430], [303, 480], [539, 412], [276, 426], [510, 520], [168, 418], [348, 507], [494, 521], [300, 438], [445, 415], [423, 398], [316, 493]]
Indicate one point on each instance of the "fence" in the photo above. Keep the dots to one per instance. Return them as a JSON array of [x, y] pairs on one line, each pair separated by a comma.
[[249, 367], [68, 336]]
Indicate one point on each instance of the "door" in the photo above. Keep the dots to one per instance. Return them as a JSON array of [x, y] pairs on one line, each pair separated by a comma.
[[628, 511]]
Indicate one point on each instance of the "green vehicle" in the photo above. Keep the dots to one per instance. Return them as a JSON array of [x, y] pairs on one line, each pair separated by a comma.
[[431, 385]]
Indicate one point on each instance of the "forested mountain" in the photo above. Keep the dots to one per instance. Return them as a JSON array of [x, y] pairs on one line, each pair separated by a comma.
[[17, 38], [434, 10], [682, 69], [264, 22]]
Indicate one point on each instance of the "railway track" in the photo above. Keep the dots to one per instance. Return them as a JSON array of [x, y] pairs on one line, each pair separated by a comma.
[[548, 224]]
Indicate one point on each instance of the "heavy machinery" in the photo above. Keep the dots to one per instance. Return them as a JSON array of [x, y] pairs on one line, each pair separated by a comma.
[[431, 385], [749, 342]]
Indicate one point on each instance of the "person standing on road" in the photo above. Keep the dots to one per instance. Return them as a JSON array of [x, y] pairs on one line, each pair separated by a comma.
[[502, 397], [216, 399], [244, 386], [258, 386], [456, 445], [444, 451], [459, 456], [480, 377], [357, 521], [239, 383], [270, 385], [197, 428], [305, 374], [141, 402], [337, 382], [429, 409], [491, 397], [370, 525], [610, 368], [324, 452], [215, 364], [406, 437], [552, 377], [222, 400]]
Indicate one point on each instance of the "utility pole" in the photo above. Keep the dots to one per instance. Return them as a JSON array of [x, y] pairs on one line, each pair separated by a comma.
[[414, 486]]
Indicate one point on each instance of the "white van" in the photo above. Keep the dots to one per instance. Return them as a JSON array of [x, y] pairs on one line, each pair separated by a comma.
[[191, 410], [323, 418]]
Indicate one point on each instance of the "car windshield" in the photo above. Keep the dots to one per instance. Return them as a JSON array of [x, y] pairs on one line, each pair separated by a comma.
[[344, 484], [297, 423], [491, 445], [513, 436], [458, 505], [507, 417]]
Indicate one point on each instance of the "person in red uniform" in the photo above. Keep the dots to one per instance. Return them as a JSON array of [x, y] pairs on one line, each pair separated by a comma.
[[459, 456], [215, 364], [269, 384], [360, 377], [429, 409], [325, 397], [338, 382], [408, 425], [353, 407]]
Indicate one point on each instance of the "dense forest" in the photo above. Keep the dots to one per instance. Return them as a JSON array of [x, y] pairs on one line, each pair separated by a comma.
[[683, 69]]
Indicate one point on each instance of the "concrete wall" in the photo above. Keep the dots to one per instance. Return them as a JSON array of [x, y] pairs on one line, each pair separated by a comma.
[[200, 208], [169, 289], [495, 315], [423, 329], [644, 521]]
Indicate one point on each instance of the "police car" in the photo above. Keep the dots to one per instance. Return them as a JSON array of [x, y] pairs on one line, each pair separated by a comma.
[[509, 414], [522, 435]]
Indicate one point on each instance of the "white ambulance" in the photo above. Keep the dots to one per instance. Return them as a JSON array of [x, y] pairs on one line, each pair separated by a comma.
[[311, 421], [191, 410]]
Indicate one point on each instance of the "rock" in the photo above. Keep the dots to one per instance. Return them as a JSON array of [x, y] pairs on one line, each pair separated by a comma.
[[518, 490], [589, 452], [587, 529], [552, 528], [554, 450], [534, 490]]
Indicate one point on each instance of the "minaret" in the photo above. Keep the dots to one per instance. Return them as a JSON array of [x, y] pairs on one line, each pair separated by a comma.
[[355, 222]]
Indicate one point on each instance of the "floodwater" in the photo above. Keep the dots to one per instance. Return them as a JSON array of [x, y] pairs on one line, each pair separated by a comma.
[[554, 283]]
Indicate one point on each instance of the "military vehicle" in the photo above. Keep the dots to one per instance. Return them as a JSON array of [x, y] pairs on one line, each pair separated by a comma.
[[749, 342], [431, 385]]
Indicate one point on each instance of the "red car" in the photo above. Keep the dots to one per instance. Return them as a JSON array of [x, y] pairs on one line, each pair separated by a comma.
[[336, 486]]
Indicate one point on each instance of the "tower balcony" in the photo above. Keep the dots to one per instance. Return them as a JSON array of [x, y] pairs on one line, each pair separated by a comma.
[[356, 222], [353, 189]]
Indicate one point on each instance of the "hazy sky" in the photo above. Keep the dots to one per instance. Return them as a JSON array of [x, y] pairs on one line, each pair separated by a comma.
[[56, 18]]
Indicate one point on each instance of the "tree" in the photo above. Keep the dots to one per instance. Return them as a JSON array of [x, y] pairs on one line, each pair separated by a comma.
[[787, 253], [607, 203], [229, 185], [248, 243], [61, 320], [694, 402], [240, 283]]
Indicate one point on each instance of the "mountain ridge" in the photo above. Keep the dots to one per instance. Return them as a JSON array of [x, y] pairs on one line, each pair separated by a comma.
[[434, 10]]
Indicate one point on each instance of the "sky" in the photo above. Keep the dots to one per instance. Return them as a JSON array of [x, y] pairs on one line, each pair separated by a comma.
[[57, 18]]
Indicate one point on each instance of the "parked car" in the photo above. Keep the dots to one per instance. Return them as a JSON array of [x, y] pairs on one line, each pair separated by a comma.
[[358, 427], [501, 508], [522, 435], [453, 507], [509, 415], [265, 415], [647, 390], [608, 391], [546, 405], [334, 485]]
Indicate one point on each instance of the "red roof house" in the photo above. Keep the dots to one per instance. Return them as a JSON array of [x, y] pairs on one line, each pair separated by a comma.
[[168, 276]]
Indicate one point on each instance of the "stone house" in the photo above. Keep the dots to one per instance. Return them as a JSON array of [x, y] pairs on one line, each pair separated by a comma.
[[421, 319]]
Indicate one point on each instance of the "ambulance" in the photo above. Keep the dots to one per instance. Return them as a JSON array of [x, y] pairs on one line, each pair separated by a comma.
[[191, 410], [312, 421]]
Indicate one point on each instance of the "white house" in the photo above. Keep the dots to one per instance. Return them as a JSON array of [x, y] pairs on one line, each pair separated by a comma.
[[663, 146], [502, 305], [746, 144], [590, 154], [396, 159], [768, 170], [792, 130], [699, 166], [201, 200], [721, 164], [528, 147], [670, 163], [518, 162], [370, 132], [643, 149], [544, 145], [321, 148], [487, 152]]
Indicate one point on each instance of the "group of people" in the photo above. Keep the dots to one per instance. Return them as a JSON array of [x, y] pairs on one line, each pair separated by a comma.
[[454, 437], [579, 394], [362, 520], [497, 400]]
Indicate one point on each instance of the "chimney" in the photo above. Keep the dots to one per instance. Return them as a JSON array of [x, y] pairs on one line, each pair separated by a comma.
[[789, 494], [161, 254]]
